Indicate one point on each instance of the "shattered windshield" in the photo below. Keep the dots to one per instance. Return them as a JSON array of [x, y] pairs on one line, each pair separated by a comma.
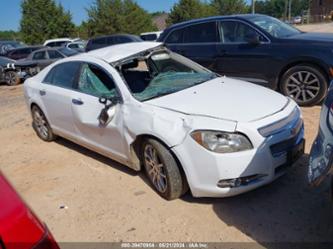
[[162, 73]]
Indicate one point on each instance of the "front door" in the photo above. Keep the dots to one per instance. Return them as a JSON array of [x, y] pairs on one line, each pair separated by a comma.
[[238, 58], [95, 82]]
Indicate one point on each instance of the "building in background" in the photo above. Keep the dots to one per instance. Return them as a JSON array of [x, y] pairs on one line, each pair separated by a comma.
[[160, 21], [321, 10]]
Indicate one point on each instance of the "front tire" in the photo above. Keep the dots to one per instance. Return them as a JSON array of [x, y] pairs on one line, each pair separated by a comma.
[[41, 125], [162, 170], [11, 78], [306, 84]]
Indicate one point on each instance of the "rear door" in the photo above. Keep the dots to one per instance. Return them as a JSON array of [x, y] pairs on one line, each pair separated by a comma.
[[197, 42], [238, 58], [56, 94]]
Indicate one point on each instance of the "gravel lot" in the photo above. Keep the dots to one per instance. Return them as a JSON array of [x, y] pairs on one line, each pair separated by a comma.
[[108, 202]]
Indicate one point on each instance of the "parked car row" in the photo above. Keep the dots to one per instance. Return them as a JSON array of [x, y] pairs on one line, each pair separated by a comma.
[[14, 72], [256, 48]]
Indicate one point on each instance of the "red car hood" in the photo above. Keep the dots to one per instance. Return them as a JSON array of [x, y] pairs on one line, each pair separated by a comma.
[[18, 224]]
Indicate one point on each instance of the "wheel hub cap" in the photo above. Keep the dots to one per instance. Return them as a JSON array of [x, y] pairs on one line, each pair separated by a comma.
[[155, 168], [41, 124], [303, 86]]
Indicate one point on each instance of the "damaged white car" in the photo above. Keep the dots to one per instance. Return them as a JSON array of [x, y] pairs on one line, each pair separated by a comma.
[[147, 107]]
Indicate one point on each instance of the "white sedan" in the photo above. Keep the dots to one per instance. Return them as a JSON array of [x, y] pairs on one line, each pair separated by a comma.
[[147, 107]]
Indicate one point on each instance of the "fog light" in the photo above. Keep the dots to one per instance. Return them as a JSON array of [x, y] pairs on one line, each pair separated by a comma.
[[229, 183], [237, 182]]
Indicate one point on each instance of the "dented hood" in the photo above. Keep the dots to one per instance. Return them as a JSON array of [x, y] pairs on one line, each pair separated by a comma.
[[224, 98]]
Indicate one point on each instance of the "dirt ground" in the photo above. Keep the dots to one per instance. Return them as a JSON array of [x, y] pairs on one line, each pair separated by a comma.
[[107, 202], [324, 27]]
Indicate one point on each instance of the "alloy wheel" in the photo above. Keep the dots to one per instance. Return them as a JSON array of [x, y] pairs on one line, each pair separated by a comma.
[[303, 86], [155, 168], [40, 124], [11, 78]]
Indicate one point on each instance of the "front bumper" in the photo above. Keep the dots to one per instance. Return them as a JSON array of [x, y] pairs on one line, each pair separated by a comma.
[[263, 164]]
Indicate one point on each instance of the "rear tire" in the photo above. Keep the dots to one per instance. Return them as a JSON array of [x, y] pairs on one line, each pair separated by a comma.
[[306, 84], [162, 170], [41, 125]]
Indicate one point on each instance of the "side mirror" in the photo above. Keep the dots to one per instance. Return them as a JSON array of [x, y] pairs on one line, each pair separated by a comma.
[[109, 110], [253, 39]]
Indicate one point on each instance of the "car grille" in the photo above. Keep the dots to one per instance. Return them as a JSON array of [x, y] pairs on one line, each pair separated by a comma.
[[281, 125], [284, 146]]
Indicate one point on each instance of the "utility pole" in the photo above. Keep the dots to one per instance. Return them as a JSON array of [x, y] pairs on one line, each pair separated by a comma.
[[289, 9], [309, 12], [253, 6]]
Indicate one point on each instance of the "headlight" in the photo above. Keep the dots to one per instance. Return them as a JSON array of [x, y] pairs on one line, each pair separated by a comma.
[[222, 142]]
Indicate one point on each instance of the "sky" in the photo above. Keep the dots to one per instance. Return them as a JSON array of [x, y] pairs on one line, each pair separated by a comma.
[[11, 12]]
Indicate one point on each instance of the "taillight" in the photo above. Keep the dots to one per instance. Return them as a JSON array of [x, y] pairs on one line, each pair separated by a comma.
[[47, 242]]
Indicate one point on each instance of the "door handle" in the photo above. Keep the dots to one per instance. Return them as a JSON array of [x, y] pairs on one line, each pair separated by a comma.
[[77, 102], [42, 92]]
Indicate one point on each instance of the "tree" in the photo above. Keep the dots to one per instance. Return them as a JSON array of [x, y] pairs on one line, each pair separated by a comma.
[[117, 16], [136, 20], [188, 9], [277, 8], [9, 35], [229, 7], [44, 19]]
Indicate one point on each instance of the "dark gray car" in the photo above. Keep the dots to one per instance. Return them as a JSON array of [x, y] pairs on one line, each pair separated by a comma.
[[46, 56], [110, 40]]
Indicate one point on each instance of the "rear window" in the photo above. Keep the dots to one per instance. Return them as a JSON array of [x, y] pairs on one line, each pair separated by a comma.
[[99, 41], [68, 52], [201, 33], [150, 37], [122, 39], [39, 55], [63, 75], [175, 36], [53, 54], [57, 44], [75, 45]]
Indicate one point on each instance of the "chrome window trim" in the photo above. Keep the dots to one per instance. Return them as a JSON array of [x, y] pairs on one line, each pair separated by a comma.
[[217, 22]]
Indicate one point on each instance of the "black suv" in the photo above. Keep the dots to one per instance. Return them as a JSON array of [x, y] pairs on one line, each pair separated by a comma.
[[105, 41], [259, 49]]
